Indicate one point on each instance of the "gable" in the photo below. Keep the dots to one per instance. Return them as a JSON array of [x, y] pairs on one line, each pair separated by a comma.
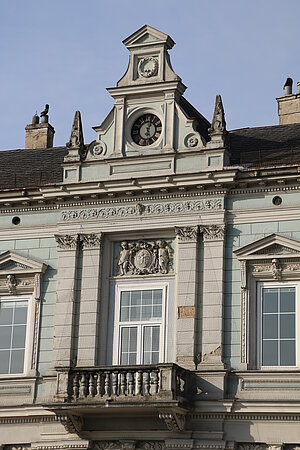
[[147, 35], [14, 262], [273, 245]]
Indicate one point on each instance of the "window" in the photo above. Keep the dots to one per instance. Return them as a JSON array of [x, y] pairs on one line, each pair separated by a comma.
[[277, 326], [140, 322], [13, 331]]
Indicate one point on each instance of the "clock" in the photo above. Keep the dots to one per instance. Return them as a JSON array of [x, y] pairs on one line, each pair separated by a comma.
[[146, 129]]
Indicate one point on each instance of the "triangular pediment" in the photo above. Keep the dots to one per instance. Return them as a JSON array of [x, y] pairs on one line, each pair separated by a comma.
[[146, 36], [14, 262], [272, 246]]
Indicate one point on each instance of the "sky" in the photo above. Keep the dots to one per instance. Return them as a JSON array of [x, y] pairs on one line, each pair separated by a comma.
[[67, 52]]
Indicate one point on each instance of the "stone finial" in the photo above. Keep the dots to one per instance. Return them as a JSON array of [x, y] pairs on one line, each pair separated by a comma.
[[76, 137], [76, 142], [218, 125]]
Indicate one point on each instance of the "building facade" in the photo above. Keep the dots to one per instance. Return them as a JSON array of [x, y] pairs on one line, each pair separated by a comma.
[[150, 280]]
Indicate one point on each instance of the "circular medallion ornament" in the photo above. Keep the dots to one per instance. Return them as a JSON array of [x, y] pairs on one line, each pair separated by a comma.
[[143, 259], [146, 129], [148, 67]]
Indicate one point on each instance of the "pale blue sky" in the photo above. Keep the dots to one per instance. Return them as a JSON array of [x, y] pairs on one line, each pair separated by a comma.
[[66, 52]]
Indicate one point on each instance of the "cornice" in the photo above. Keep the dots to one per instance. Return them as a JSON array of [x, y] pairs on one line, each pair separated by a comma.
[[248, 417], [262, 189], [113, 201]]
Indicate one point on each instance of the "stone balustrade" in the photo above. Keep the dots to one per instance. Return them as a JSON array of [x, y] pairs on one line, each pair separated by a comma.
[[159, 382]]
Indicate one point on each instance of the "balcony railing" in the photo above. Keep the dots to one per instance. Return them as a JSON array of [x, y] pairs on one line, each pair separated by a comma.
[[165, 382]]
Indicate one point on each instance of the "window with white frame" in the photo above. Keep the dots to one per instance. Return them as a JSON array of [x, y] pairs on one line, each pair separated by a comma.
[[140, 324], [13, 332], [277, 327]]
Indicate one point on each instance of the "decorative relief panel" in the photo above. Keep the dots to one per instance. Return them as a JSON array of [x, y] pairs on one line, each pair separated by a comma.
[[66, 242], [144, 257], [164, 208], [213, 232], [148, 67], [90, 240], [186, 233]]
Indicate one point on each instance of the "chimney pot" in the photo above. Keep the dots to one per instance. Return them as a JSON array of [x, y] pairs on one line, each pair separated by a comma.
[[35, 119], [288, 86], [298, 87]]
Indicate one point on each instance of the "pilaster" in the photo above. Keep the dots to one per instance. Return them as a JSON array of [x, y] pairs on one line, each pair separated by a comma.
[[186, 294], [65, 300], [213, 294], [90, 292]]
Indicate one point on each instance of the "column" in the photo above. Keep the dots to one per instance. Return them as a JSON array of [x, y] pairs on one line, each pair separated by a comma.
[[186, 294], [88, 332], [65, 300], [213, 294]]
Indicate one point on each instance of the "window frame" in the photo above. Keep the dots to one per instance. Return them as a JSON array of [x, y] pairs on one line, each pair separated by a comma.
[[118, 325], [29, 333], [276, 285]]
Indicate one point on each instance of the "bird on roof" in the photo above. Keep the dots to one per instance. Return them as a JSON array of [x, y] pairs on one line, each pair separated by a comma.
[[46, 110]]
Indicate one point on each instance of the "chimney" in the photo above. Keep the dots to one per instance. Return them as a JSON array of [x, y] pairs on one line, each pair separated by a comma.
[[289, 104], [39, 135]]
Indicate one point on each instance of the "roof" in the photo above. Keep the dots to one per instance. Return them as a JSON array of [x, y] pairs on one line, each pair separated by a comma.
[[265, 146], [31, 168]]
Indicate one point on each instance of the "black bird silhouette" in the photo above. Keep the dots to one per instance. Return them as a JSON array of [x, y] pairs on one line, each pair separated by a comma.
[[45, 112]]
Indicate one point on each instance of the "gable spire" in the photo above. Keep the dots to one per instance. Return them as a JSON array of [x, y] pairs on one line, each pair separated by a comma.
[[218, 125], [76, 142]]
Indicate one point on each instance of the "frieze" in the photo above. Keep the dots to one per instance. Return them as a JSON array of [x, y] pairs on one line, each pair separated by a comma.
[[12, 284], [17, 447], [139, 209], [144, 257]]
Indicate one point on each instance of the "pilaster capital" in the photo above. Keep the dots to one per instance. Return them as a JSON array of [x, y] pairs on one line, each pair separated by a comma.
[[67, 241], [213, 232], [186, 234], [92, 240]]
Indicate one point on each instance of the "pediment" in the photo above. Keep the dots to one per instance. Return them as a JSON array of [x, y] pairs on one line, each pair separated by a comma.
[[13, 262], [146, 36], [273, 246]]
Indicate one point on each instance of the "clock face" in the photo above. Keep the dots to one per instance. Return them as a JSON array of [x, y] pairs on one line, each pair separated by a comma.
[[146, 129]]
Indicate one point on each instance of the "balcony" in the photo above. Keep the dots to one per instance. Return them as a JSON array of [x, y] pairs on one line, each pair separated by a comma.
[[163, 391]]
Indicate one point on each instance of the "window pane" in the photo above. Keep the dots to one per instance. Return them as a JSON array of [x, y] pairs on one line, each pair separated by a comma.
[[6, 313], [157, 311], [19, 334], [157, 296], [17, 361], [270, 300], [151, 345], [146, 312], [136, 297], [287, 299], [270, 353], [135, 312], [146, 297], [287, 353], [270, 326], [125, 298], [124, 316], [287, 326], [4, 361], [128, 345], [5, 337]]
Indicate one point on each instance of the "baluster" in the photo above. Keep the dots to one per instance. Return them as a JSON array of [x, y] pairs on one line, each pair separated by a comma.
[[83, 386], [76, 386], [106, 383], [92, 388], [130, 382], [99, 384], [155, 382], [115, 383], [122, 384], [139, 382], [147, 383]]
